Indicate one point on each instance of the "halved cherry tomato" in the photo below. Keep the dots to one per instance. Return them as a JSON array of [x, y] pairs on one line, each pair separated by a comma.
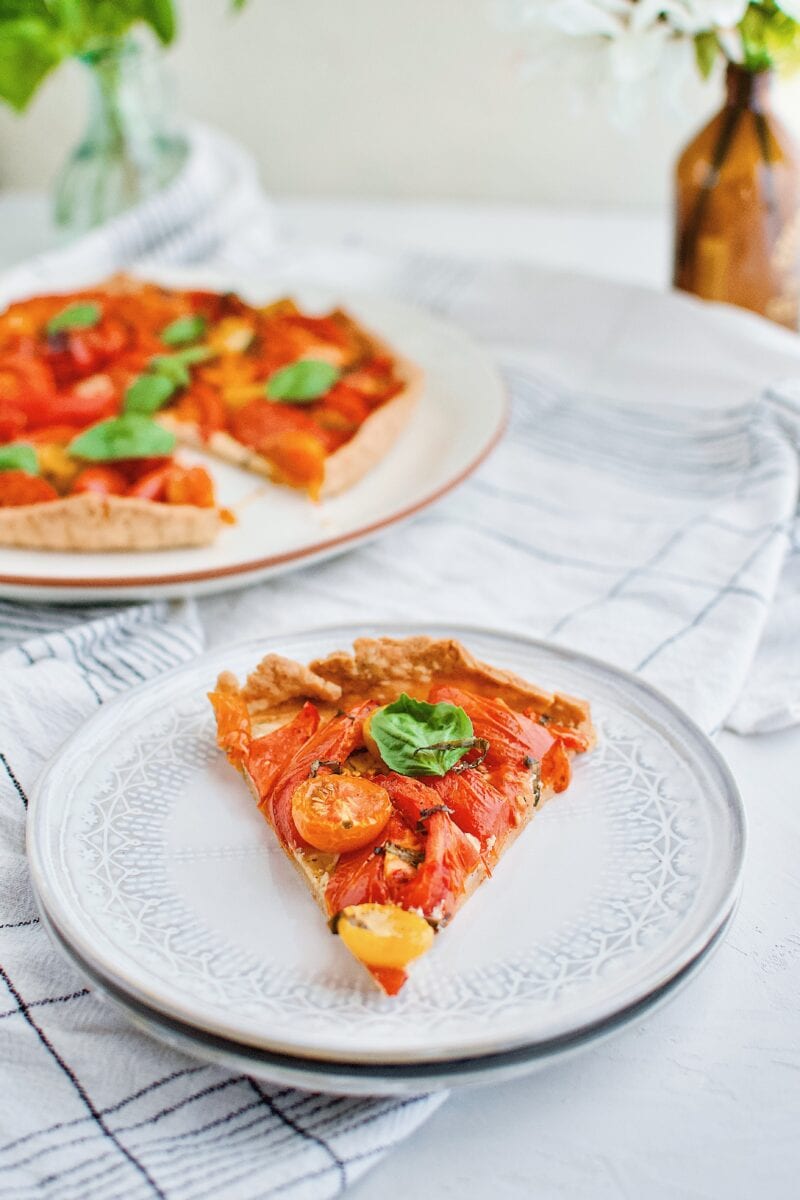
[[384, 935], [101, 481], [299, 459], [18, 487], [334, 742], [337, 813], [190, 485]]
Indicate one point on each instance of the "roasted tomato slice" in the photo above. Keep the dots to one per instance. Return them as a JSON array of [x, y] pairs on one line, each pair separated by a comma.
[[335, 742], [233, 726], [102, 481], [270, 754], [512, 736], [477, 806], [18, 487], [27, 390], [152, 485], [338, 813], [189, 485], [361, 876]]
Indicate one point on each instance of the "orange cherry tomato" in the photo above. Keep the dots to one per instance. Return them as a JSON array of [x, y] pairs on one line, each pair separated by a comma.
[[337, 813], [101, 481], [18, 487], [299, 459], [190, 485]]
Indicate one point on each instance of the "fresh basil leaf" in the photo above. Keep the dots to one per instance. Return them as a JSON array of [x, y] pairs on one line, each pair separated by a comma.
[[176, 366], [75, 316], [148, 393], [409, 735], [17, 456], [170, 367], [133, 435], [302, 382], [185, 329], [30, 46]]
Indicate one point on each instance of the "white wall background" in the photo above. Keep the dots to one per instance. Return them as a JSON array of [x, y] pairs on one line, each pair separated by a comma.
[[416, 98]]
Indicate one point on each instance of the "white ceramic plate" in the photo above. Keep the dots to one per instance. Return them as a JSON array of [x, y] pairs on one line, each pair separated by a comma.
[[159, 876], [460, 417]]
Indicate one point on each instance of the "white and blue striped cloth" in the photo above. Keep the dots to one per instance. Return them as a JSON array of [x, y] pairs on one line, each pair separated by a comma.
[[642, 507]]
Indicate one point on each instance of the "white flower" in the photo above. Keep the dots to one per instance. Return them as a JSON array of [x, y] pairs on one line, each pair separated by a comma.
[[790, 7], [700, 16]]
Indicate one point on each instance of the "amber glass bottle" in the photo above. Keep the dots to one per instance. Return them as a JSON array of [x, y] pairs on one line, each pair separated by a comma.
[[737, 206]]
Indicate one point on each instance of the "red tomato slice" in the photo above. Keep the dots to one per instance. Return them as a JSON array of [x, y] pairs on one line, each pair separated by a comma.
[[360, 877], [102, 481], [18, 487], [477, 806], [153, 485], [511, 736], [269, 755]]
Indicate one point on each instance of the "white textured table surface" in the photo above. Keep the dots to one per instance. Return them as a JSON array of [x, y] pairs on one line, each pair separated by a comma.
[[702, 1098]]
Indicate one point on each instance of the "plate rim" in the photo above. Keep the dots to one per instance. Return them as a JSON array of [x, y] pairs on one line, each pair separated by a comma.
[[329, 546], [393, 1078], [263, 644]]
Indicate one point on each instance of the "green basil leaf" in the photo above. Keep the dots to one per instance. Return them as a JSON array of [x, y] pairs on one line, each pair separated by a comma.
[[30, 46], [185, 329], [75, 316], [176, 366], [405, 730], [148, 393], [302, 382], [133, 435], [17, 456]]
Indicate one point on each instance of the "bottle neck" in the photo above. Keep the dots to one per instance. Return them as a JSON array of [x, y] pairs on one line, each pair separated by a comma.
[[748, 89]]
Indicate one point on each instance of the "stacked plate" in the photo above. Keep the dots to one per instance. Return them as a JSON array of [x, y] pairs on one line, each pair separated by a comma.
[[157, 875]]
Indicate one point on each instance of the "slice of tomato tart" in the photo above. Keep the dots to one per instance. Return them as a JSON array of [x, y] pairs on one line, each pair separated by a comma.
[[395, 777]]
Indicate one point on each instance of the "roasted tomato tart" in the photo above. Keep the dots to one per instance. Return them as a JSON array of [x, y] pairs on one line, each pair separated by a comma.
[[395, 777], [97, 385]]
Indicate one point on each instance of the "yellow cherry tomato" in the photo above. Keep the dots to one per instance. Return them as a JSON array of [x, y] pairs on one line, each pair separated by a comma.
[[383, 935], [337, 813]]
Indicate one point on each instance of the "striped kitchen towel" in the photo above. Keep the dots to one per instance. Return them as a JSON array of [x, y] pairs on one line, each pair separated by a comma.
[[89, 1107]]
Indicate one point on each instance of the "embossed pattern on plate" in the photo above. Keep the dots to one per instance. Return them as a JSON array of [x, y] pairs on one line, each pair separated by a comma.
[[153, 863]]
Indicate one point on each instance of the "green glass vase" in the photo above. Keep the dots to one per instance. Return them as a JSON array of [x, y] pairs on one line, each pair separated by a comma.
[[129, 150]]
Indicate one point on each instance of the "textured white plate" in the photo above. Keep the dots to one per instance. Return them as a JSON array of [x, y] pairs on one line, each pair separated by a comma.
[[158, 874], [460, 416]]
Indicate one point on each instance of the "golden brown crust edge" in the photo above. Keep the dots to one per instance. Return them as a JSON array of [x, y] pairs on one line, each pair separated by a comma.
[[382, 668], [106, 523]]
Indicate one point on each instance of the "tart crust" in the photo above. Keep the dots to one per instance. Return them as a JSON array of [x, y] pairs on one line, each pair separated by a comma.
[[92, 522]]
